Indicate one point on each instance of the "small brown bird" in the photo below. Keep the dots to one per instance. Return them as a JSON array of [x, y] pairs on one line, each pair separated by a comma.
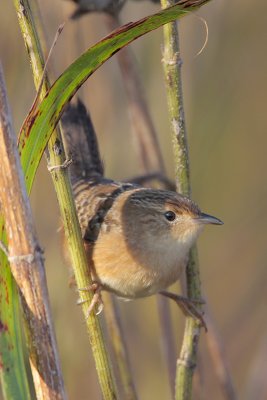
[[137, 239]]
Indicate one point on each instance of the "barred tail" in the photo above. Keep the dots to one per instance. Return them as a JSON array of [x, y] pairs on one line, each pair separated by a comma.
[[81, 143]]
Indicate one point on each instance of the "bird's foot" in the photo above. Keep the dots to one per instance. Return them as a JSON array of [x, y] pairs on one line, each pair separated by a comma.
[[96, 300], [188, 306]]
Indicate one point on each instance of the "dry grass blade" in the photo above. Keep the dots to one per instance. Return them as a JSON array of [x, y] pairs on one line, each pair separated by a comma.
[[26, 263], [142, 125], [215, 346], [256, 387], [118, 344]]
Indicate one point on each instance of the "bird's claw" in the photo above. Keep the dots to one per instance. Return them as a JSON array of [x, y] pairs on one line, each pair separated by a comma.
[[96, 300], [188, 306]]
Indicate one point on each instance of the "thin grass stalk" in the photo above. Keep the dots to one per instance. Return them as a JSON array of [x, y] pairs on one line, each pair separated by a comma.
[[187, 361], [30, 27], [143, 129], [256, 384], [172, 70], [151, 161], [217, 353], [122, 368], [26, 263]]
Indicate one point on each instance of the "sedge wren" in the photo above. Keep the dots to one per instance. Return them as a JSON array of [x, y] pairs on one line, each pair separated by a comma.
[[137, 239]]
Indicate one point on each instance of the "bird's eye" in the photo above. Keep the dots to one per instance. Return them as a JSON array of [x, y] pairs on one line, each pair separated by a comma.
[[170, 215]]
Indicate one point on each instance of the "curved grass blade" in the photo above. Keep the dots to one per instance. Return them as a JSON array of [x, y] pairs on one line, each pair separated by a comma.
[[43, 119]]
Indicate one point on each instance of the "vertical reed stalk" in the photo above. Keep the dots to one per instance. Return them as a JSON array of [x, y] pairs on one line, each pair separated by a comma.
[[187, 360], [26, 263], [30, 26], [172, 71]]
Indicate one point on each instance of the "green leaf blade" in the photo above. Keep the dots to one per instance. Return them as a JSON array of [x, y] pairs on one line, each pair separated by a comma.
[[43, 119]]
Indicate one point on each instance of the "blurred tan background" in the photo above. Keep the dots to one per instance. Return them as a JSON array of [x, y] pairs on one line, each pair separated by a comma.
[[225, 91]]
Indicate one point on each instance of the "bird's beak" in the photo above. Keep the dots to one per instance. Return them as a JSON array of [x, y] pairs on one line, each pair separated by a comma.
[[208, 219]]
